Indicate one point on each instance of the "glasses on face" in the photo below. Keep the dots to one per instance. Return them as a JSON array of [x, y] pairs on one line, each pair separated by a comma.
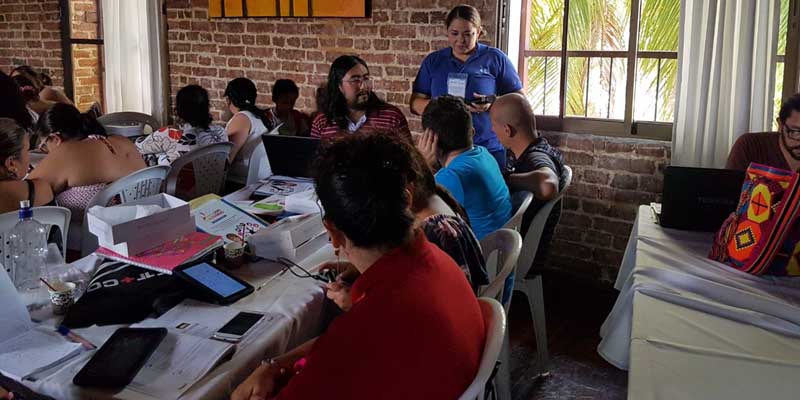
[[792, 133], [359, 80]]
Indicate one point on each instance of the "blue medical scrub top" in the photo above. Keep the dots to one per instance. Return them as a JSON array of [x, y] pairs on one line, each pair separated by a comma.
[[490, 72]]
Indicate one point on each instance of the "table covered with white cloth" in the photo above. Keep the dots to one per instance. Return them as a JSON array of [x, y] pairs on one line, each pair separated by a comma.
[[297, 304], [687, 327]]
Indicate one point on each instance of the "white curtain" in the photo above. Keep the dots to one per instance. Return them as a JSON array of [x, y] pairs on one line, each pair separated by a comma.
[[134, 61], [726, 76]]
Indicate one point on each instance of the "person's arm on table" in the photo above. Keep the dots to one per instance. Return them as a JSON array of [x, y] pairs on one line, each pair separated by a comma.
[[267, 379]]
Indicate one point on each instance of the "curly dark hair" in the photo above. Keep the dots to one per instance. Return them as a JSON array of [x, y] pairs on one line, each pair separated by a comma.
[[791, 104], [336, 109], [450, 120], [361, 181], [192, 105]]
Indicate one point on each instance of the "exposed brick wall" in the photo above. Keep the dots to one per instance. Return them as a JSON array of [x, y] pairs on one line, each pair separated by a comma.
[[86, 58], [30, 34], [612, 175], [393, 42], [611, 178]]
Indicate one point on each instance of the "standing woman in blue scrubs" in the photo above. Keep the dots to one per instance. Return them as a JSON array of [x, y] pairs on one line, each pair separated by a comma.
[[469, 70]]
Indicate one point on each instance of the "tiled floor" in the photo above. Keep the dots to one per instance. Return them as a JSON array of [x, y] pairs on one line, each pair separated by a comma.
[[575, 311]]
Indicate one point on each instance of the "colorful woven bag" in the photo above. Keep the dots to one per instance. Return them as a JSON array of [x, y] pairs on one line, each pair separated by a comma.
[[762, 236]]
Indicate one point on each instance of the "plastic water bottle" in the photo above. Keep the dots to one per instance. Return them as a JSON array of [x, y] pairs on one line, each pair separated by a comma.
[[27, 248]]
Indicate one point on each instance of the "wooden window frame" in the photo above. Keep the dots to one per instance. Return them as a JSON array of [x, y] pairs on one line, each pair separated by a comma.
[[66, 48]]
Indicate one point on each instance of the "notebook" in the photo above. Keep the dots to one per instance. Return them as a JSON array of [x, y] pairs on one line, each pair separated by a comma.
[[169, 255], [26, 349]]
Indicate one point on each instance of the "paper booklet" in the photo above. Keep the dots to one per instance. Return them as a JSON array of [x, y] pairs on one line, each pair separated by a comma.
[[188, 354], [283, 185], [26, 349], [169, 255], [221, 218]]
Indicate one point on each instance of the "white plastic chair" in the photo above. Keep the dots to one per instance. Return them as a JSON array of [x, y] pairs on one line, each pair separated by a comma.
[[520, 201], [501, 249], [142, 183], [128, 124], [250, 165], [209, 168], [494, 318], [47, 215], [532, 287]]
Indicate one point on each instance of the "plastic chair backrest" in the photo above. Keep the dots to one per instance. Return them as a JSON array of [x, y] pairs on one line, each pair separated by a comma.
[[494, 319], [250, 165], [531, 242], [209, 167], [47, 215], [142, 183], [507, 243], [520, 201], [128, 123]]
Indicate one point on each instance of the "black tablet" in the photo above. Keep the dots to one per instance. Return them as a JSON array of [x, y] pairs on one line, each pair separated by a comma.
[[214, 284], [120, 358]]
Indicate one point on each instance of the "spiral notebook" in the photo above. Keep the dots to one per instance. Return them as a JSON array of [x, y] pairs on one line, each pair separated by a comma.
[[169, 255]]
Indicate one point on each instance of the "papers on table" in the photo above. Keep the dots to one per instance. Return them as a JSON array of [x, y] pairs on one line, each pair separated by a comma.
[[187, 354], [221, 218], [284, 186], [25, 349]]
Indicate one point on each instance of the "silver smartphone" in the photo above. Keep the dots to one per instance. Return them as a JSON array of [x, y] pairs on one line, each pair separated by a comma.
[[238, 327]]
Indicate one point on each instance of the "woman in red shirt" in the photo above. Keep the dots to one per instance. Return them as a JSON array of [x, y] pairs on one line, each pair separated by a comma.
[[415, 328]]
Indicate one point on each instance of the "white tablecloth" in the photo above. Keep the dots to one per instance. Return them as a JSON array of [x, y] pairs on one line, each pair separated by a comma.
[[689, 327], [300, 301]]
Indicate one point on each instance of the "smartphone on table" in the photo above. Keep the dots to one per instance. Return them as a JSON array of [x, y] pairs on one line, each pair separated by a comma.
[[238, 327]]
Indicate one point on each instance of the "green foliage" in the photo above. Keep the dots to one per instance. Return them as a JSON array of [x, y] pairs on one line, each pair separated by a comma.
[[600, 25]]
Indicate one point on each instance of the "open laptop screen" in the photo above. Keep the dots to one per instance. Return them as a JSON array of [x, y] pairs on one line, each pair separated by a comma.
[[290, 155]]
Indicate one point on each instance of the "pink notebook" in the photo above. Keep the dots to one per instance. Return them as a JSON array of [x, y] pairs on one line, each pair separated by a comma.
[[170, 255]]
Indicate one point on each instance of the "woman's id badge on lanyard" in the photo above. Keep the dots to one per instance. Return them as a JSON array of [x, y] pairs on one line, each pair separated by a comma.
[[457, 84]]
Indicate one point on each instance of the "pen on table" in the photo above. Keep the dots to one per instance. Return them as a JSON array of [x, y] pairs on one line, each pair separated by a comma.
[[64, 331]]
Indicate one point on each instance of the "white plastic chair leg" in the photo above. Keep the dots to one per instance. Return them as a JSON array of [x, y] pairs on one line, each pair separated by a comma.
[[503, 379], [534, 293]]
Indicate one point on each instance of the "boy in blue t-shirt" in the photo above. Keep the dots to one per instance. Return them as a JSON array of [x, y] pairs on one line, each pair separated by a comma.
[[469, 172]]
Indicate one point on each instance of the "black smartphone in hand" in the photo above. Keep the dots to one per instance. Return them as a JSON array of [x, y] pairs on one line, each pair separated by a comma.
[[483, 100]]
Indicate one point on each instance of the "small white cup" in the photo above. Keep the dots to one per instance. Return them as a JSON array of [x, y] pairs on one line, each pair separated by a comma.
[[62, 297]]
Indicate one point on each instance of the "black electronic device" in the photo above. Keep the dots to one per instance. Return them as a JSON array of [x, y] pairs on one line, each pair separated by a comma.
[[120, 358], [699, 199], [290, 155], [213, 284], [238, 326]]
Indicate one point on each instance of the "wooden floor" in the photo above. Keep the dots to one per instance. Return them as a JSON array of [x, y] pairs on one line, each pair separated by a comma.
[[575, 310]]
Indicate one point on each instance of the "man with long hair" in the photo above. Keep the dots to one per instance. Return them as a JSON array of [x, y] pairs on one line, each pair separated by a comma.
[[353, 106]]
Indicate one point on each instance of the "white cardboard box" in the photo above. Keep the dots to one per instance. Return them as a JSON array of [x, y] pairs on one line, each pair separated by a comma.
[[140, 234], [273, 250], [290, 237]]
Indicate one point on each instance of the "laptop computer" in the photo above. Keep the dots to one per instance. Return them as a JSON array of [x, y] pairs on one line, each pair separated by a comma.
[[699, 199], [290, 155]]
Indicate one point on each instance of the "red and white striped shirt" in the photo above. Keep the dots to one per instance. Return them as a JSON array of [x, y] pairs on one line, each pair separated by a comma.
[[387, 119]]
